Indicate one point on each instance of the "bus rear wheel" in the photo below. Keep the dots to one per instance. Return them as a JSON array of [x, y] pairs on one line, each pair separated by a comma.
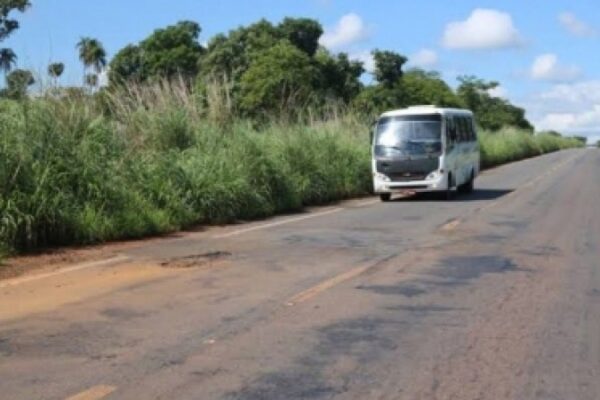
[[385, 197], [448, 193], [468, 186]]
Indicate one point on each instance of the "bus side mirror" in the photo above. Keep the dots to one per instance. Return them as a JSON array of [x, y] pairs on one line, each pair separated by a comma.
[[372, 131]]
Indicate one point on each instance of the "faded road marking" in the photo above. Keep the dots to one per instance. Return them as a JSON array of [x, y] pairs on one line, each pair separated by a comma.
[[330, 283], [368, 203], [450, 225], [532, 182], [291, 220], [94, 393], [272, 224], [77, 267]]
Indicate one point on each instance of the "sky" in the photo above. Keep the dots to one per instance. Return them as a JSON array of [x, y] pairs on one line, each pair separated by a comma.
[[545, 54]]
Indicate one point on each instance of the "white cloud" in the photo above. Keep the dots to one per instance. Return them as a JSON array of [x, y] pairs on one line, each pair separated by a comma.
[[349, 30], [483, 29], [583, 122], [572, 108], [366, 58], [424, 58], [572, 95], [547, 67], [498, 91], [575, 26]]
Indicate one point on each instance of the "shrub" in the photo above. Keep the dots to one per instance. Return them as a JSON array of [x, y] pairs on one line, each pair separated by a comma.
[[70, 173], [154, 159]]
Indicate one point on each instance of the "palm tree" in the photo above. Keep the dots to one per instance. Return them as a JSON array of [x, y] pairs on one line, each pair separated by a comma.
[[8, 60], [17, 83], [91, 54], [91, 80], [55, 70]]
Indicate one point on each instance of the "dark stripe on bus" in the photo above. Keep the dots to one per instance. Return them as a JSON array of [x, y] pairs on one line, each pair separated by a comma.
[[413, 118]]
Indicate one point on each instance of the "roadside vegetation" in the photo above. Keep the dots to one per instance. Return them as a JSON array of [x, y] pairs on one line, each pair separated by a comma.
[[261, 121], [510, 144]]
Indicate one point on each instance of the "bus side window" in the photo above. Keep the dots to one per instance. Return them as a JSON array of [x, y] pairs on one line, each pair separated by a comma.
[[472, 135], [462, 131], [466, 129], [467, 125], [450, 132]]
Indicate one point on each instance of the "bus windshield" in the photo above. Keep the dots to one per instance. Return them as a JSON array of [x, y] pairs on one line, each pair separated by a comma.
[[418, 135]]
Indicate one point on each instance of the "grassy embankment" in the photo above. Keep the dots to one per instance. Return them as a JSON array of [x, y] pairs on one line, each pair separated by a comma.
[[159, 160]]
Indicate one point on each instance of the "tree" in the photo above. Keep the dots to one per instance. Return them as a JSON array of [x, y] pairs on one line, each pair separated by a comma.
[[281, 80], [9, 25], [474, 91], [173, 51], [92, 55], [55, 70], [304, 33], [420, 87], [232, 54], [388, 67], [166, 53], [339, 76], [490, 112], [551, 133], [388, 93], [374, 99], [127, 66], [8, 60], [17, 83]]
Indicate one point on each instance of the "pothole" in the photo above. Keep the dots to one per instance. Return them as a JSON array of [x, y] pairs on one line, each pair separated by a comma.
[[196, 260]]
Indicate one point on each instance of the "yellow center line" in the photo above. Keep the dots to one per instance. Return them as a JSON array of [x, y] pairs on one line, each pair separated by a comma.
[[336, 280], [325, 285], [94, 393]]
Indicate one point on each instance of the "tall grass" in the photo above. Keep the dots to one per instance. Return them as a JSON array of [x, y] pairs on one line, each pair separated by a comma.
[[159, 158], [512, 144], [154, 161]]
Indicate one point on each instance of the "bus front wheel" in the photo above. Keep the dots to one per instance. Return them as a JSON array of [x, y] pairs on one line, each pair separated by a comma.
[[385, 197], [448, 192]]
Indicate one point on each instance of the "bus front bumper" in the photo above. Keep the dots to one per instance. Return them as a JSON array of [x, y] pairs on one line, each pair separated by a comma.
[[435, 182]]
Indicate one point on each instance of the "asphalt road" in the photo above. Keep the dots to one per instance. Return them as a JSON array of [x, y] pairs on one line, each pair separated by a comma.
[[493, 295]]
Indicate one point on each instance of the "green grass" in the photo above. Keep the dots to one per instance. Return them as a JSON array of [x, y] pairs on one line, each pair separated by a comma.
[[511, 145], [157, 160], [69, 175]]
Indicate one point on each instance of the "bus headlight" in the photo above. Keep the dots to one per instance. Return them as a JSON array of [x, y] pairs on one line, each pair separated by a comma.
[[382, 177], [434, 175]]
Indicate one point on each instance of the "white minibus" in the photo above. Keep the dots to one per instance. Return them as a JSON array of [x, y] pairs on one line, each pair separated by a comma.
[[424, 149]]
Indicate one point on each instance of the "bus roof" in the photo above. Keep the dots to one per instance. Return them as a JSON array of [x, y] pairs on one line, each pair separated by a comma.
[[421, 110]]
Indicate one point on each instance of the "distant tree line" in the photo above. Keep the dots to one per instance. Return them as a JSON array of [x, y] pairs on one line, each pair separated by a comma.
[[269, 70]]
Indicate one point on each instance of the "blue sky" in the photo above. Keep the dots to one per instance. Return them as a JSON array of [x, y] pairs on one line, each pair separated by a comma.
[[545, 53]]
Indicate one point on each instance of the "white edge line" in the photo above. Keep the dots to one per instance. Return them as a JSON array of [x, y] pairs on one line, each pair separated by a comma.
[[77, 267], [123, 258], [269, 225], [368, 202]]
